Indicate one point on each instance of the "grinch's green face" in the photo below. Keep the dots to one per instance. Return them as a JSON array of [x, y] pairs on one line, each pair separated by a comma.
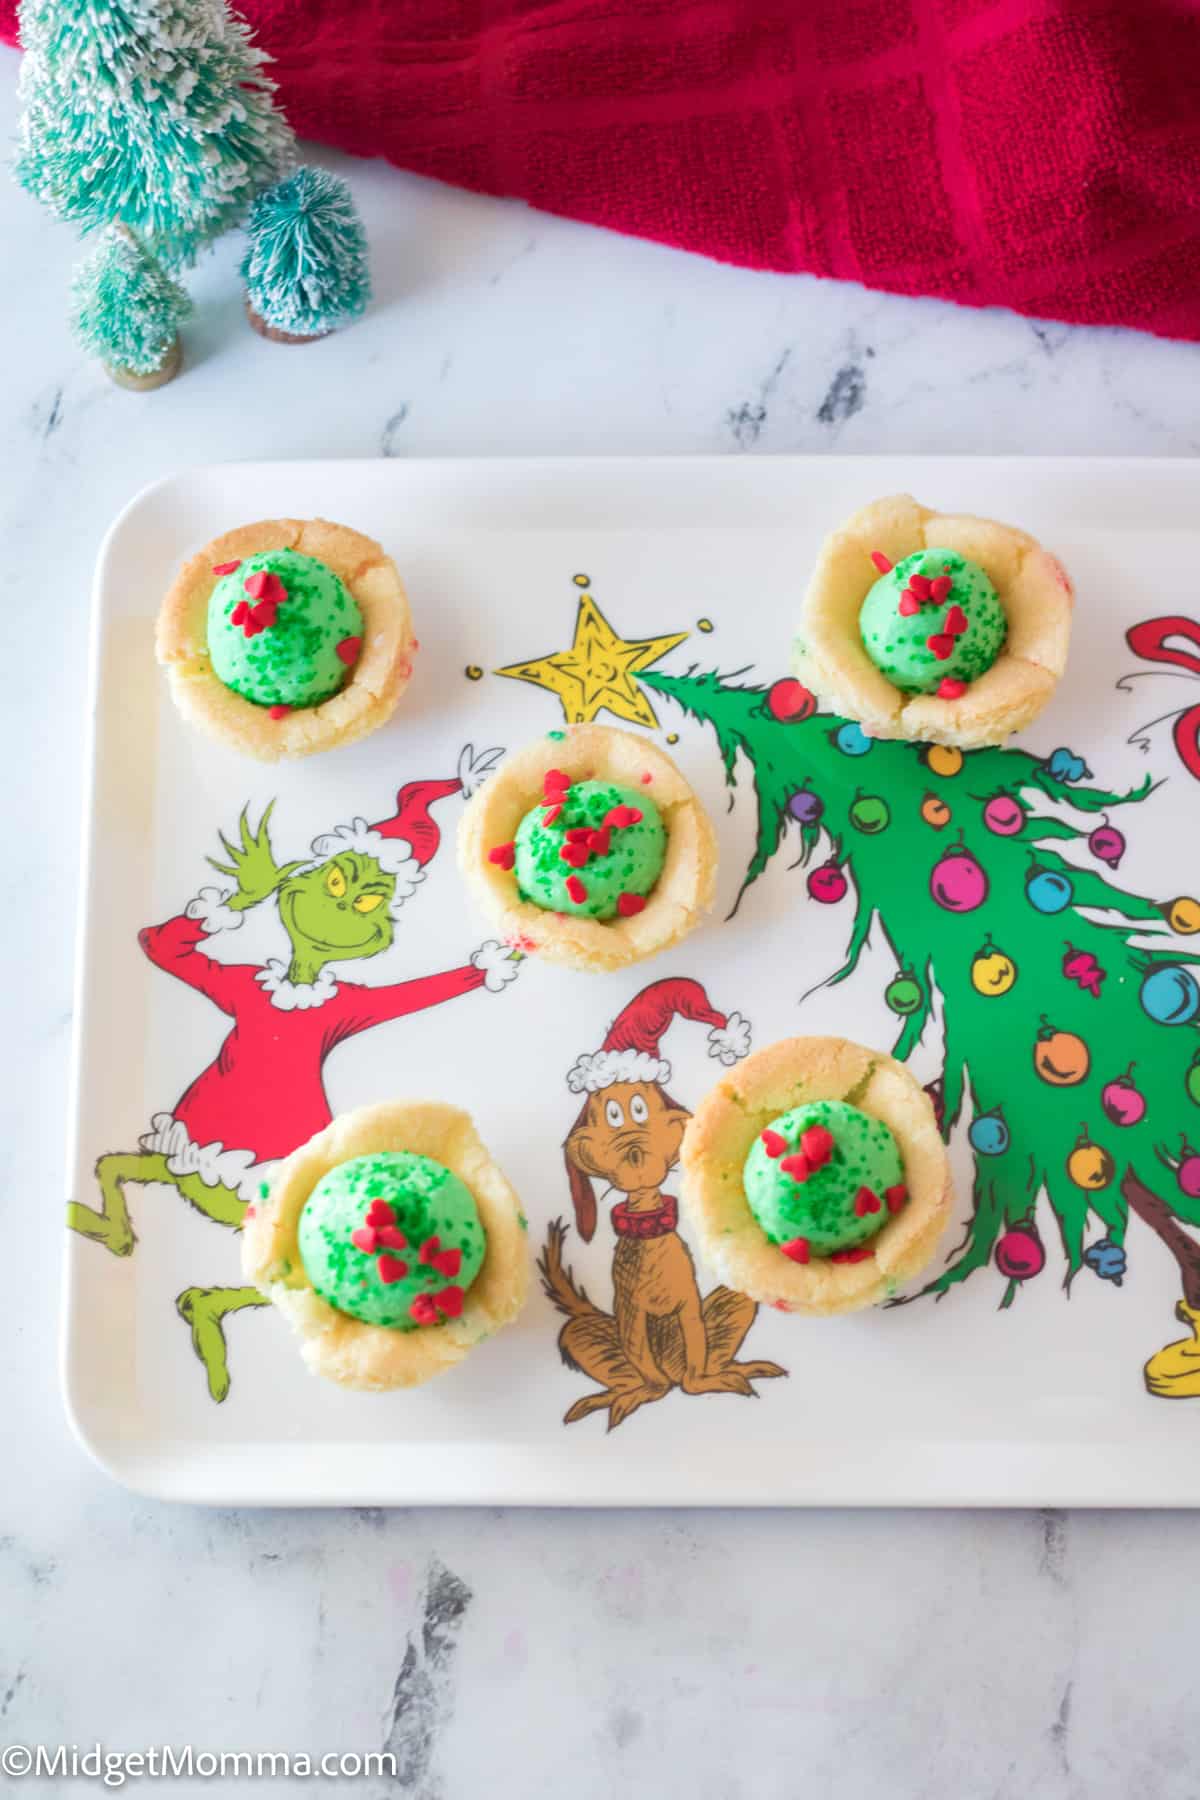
[[339, 909]]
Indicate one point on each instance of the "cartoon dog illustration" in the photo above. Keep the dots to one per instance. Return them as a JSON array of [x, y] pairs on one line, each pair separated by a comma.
[[660, 1334]]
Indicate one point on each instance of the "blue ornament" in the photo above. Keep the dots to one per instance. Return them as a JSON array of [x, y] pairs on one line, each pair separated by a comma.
[[1064, 765], [1106, 1259], [1170, 994], [851, 739], [988, 1135], [1048, 890]]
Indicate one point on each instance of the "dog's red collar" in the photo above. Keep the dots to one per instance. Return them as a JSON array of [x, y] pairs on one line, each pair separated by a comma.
[[658, 1223]]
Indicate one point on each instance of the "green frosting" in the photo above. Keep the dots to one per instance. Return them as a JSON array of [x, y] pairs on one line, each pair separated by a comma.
[[898, 643], [631, 864], [294, 660], [426, 1201], [822, 1207]]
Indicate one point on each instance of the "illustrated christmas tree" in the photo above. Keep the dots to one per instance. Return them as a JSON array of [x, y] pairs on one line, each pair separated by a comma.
[[126, 310], [305, 267], [153, 114], [1072, 1002]]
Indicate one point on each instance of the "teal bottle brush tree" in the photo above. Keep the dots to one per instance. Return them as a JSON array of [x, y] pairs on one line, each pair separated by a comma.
[[126, 310], [305, 266]]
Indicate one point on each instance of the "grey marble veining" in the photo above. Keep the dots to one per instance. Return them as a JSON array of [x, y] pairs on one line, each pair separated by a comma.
[[948, 1656]]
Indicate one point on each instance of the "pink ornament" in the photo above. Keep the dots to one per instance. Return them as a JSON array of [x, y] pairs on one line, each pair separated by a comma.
[[789, 700], [1107, 845], [1188, 1173], [1019, 1253], [828, 884], [1122, 1102], [1004, 815], [958, 883]]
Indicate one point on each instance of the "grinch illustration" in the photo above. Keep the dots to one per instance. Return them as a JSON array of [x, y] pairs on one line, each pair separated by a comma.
[[263, 1093], [660, 1334]]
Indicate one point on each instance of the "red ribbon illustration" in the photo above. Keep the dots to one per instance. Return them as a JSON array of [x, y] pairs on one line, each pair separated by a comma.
[[1149, 640]]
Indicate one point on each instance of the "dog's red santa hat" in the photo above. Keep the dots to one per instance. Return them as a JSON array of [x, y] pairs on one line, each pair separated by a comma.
[[631, 1051], [404, 843]]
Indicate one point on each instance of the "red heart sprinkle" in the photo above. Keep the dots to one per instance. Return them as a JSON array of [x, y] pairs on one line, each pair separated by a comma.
[[797, 1166], [956, 621], [772, 1142], [909, 604], [630, 904], [449, 1301], [882, 563], [448, 1262], [380, 1213], [859, 1255], [242, 614], [503, 855], [391, 1269], [920, 585], [363, 1239], [647, 778], [576, 889], [798, 1249], [429, 1249], [599, 842], [348, 649], [817, 1145], [554, 781], [636, 815], [575, 855], [226, 568], [278, 712], [262, 585], [618, 817], [550, 814], [866, 1202], [579, 834], [392, 1238], [949, 689], [942, 645], [939, 589], [423, 1310], [896, 1197]]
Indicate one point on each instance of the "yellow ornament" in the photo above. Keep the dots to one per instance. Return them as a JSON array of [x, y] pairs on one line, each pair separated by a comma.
[[935, 812], [1089, 1165], [993, 972], [943, 759], [1183, 915]]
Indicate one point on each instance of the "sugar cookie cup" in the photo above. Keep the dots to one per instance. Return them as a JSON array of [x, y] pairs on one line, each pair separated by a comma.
[[349, 1350], [519, 799], [376, 676], [1033, 589], [795, 1073]]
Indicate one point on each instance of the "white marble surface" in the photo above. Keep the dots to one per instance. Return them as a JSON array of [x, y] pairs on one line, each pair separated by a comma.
[[946, 1655]]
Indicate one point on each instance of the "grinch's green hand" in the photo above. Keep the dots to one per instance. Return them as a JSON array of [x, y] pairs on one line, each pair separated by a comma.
[[253, 867]]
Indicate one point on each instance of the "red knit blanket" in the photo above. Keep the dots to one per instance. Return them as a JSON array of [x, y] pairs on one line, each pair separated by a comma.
[[1036, 154]]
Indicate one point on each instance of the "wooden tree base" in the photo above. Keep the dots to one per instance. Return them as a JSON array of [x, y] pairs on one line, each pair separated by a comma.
[[274, 335], [167, 370]]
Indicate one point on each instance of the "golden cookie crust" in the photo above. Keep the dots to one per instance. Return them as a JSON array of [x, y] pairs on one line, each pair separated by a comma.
[[365, 701], [1034, 589], [373, 1357], [725, 1125], [684, 891]]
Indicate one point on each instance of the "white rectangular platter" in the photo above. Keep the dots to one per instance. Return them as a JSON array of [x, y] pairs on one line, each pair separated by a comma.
[[964, 1400]]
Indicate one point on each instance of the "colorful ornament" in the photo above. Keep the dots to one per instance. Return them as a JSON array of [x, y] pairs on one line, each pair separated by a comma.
[[851, 739], [305, 266], [1191, 1080], [1106, 1259], [958, 882], [828, 884], [1123, 1103], [943, 759], [1019, 1252], [1170, 994], [789, 700], [1089, 1164], [904, 994], [870, 813], [1187, 1171], [993, 971], [1065, 766], [1004, 815], [806, 806], [1060, 1057], [989, 1134], [1081, 967], [1048, 890], [1183, 915], [935, 812], [1107, 844]]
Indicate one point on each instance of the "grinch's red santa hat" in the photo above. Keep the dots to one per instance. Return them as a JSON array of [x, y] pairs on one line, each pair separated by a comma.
[[403, 844], [631, 1050]]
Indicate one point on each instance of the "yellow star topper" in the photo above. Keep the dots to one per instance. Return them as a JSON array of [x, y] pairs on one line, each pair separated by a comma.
[[597, 673]]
